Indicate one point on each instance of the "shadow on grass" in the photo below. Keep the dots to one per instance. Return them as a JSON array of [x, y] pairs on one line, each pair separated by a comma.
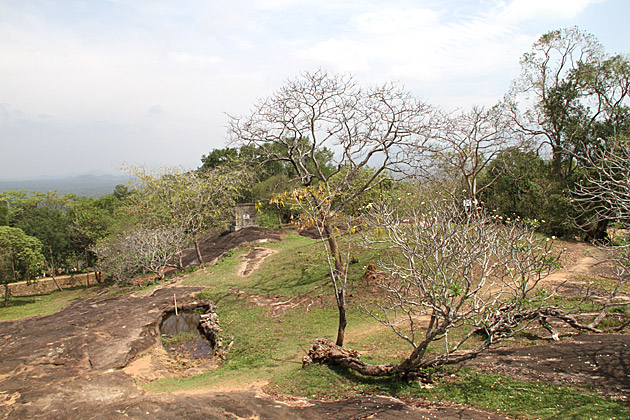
[[342, 380], [22, 300]]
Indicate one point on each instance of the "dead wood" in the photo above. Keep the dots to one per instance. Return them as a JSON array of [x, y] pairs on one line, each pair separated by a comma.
[[325, 351]]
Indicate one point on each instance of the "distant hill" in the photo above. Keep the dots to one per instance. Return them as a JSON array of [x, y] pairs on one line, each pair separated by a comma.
[[87, 185]]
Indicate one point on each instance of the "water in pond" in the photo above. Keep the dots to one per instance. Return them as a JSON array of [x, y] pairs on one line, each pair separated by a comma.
[[181, 336]]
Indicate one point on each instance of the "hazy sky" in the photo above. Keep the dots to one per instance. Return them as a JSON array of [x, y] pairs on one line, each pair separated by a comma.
[[87, 85]]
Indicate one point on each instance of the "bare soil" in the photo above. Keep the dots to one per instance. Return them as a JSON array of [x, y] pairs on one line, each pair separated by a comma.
[[80, 363]]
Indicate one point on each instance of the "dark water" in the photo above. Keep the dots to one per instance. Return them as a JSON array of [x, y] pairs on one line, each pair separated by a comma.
[[186, 321]]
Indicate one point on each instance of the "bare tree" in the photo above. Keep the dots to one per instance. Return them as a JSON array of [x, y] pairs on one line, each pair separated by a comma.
[[141, 249], [605, 191], [604, 194], [363, 127], [457, 281], [467, 142]]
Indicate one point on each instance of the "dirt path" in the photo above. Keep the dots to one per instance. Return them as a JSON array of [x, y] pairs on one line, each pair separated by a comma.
[[253, 259], [582, 260]]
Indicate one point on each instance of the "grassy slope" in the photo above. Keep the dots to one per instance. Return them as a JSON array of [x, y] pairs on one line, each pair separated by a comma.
[[269, 349]]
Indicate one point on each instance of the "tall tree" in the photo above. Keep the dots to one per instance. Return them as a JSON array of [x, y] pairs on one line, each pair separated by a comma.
[[547, 100], [363, 127], [570, 95]]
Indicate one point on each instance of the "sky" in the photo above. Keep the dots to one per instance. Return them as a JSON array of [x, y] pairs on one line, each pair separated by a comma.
[[93, 85]]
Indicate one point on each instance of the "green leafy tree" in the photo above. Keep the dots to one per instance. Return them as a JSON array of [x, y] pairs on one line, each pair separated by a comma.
[[219, 157], [94, 219], [190, 202], [44, 216], [570, 96], [525, 186], [21, 258], [4, 213]]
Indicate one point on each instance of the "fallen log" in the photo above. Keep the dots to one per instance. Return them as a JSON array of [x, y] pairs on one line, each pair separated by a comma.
[[325, 351]]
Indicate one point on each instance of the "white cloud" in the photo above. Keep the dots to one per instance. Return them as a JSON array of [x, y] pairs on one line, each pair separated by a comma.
[[422, 47], [389, 21], [523, 10]]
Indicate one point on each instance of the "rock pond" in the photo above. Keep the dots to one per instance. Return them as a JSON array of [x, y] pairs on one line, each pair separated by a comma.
[[182, 335]]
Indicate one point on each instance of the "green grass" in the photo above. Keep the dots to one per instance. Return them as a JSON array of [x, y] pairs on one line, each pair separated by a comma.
[[179, 338], [40, 305], [523, 398], [493, 393], [268, 347]]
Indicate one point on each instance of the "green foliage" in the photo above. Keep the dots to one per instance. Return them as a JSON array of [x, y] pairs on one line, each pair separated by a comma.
[[353, 182], [52, 227], [121, 192], [4, 213], [526, 187], [578, 103], [20, 257], [271, 173], [219, 157], [68, 226]]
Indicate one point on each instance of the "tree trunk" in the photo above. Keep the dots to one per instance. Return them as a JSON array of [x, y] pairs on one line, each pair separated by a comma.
[[52, 271], [199, 257], [325, 352], [7, 291], [339, 282], [343, 321]]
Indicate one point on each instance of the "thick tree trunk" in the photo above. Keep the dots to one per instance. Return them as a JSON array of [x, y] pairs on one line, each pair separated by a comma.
[[325, 352], [7, 292]]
